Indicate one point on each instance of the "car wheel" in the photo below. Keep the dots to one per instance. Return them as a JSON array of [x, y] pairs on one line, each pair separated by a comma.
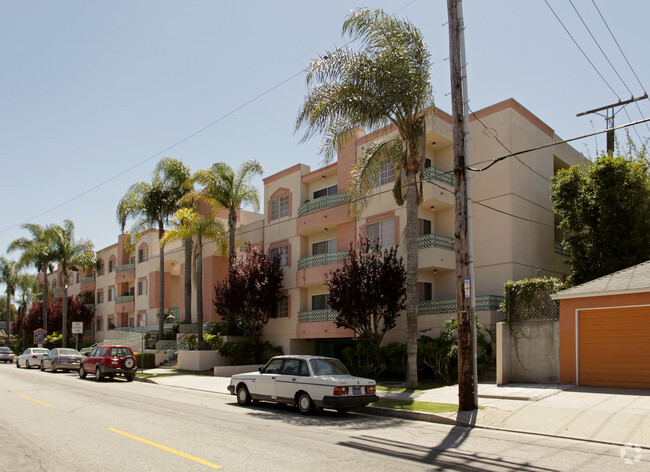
[[305, 404], [342, 411], [82, 373], [53, 367], [130, 377], [17, 364], [98, 374], [128, 363], [243, 397], [42, 367], [27, 365]]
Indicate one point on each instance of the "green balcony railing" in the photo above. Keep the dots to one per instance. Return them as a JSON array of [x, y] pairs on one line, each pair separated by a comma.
[[433, 173], [125, 299], [436, 240], [85, 280], [123, 267], [316, 316], [321, 203], [557, 247], [322, 259], [448, 305]]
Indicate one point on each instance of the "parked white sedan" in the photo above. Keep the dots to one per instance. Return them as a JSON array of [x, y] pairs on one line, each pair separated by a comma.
[[309, 382], [31, 357]]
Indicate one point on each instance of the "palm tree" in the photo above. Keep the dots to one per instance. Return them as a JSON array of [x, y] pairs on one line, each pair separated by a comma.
[[230, 190], [71, 255], [188, 223], [27, 286], [39, 252], [151, 205], [8, 276], [385, 83]]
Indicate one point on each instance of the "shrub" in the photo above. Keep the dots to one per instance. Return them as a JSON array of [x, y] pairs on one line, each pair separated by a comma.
[[146, 362], [245, 352], [370, 360]]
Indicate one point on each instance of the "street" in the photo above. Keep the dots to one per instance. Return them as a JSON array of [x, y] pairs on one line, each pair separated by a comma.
[[58, 422]]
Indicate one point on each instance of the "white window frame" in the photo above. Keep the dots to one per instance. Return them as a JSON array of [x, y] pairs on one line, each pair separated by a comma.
[[331, 190], [111, 294], [142, 287], [280, 207], [386, 173], [327, 298], [330, 246], [384, 232], [282, 252]]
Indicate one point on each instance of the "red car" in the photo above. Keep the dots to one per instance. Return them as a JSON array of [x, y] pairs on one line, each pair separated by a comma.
[[109, 361]]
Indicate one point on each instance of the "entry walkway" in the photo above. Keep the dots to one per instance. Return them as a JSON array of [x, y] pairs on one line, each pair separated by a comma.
[[616, 416]]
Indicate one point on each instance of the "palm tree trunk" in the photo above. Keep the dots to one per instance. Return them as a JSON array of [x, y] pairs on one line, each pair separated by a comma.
[[199, 292], [188, 279], [412, 280], [232, 225], [45, 300], [64, 316], [161, 298], [8, 317]]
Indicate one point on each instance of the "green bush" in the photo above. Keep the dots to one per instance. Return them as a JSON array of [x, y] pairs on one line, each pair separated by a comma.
[[370, 360], [245, 352], [53, 340], [148, 362]]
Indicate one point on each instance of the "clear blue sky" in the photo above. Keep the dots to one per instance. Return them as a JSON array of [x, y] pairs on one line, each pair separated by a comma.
[[92, 91]]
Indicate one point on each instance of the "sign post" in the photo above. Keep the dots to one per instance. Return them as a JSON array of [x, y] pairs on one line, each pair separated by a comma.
[[39, 336], [77, 329], [142, 323]]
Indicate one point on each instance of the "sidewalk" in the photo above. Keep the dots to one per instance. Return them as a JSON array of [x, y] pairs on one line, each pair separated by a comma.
[[616, 416]]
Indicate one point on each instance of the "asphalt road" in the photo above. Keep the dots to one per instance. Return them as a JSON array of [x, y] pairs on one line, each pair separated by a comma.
[[58, 422]]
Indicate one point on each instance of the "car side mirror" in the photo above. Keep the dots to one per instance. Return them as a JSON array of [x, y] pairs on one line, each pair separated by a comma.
[[261, 369], [87, 354]]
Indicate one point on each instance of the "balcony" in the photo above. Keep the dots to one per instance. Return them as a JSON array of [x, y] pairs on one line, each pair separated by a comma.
[[321, 259], [321, 203], [125, 304], [433, 173], [87, 280], [316, 316], [320, 324], [436, 240], [125, 272], [125, 299], [448, 305], [436, 252], [313, 269]]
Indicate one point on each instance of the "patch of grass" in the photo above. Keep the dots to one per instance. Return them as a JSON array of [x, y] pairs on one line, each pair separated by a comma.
[[422, 386], [427, 407]]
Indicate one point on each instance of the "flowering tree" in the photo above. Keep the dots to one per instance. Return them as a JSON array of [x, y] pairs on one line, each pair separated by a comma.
[[78, 310], [369, 291], [248, 297]]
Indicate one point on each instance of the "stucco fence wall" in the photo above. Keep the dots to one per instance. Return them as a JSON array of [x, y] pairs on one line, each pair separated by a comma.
[[528, 352]]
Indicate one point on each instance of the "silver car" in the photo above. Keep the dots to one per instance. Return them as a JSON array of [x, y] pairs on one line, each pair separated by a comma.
[[61, 358], [31, 357], [6, 354]]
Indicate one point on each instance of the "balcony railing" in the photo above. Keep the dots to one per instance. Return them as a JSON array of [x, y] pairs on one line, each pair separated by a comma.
[[321, 203], [448, 305], [321, 259], [85, 280], [123, 267], [436, 240], [560, 250], [314, 316], [125, 299], [433, 173]]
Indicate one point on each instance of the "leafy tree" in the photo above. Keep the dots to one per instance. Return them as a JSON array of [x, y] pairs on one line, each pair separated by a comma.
[[39, 252], [9, 277], [77, 311], [72, 255], [604, 209], [188, 223], [151, 205], [385, 83], [368, 292], [231, 190], [248, 297]]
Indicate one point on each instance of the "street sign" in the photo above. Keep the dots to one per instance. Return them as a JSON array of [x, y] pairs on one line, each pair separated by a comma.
[[467, 288], [77, 327], [39, 336], [143, 321]]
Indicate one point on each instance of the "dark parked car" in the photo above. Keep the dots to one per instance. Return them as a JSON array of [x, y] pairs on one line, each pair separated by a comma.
[[109, 361], [61, 358]]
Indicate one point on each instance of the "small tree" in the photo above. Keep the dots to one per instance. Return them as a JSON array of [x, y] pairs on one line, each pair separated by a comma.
[[369, 291], [248, 297]]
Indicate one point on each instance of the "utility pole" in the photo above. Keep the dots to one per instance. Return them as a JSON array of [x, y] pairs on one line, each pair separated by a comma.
[[464, 285], [609, 117]]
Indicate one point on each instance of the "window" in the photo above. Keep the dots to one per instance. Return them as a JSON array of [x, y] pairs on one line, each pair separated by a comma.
[[100, 327], [142, 254], [320, 302], [382, 231], [282, 253], [111, 294], [323, 247], [427, 162], [281, 308], [424, 226], [295, 367], [111, 266], [78, 277], [100, 268], [100, 298], [273, 367], [131, 322], [132, 260], [142, 287], [326, 191], [425, 291], [386, 173], [280, 207], [131, 291]]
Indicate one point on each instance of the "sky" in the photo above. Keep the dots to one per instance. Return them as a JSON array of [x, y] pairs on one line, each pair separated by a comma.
[[93, 94]]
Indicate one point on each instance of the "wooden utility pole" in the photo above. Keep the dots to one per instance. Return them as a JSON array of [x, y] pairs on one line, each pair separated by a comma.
[[466, 394], [609, 118]]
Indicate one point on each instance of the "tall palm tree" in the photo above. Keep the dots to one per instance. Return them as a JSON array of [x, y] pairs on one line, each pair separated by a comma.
[[39, 252], [151, 205], [8, 276], [26, 286], [385, 83], [188, 223], [71, 255], [230, 190]]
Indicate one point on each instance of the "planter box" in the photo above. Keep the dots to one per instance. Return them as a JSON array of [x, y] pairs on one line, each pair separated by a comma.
[[199, 360], [229, 370]]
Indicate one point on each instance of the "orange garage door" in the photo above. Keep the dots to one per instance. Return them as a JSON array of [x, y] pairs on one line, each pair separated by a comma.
[[614, 348]]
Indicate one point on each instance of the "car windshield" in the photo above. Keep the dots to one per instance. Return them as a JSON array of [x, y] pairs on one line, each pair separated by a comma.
[[40, 351], [5, 349], [119, 352], [328, 367], [68, 352]]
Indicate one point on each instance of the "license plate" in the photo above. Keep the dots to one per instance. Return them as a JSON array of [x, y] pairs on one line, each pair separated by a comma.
[[356, 391]]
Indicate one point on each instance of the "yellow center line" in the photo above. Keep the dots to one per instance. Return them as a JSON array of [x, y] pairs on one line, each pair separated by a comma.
[[37, 401], [168, 449]]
